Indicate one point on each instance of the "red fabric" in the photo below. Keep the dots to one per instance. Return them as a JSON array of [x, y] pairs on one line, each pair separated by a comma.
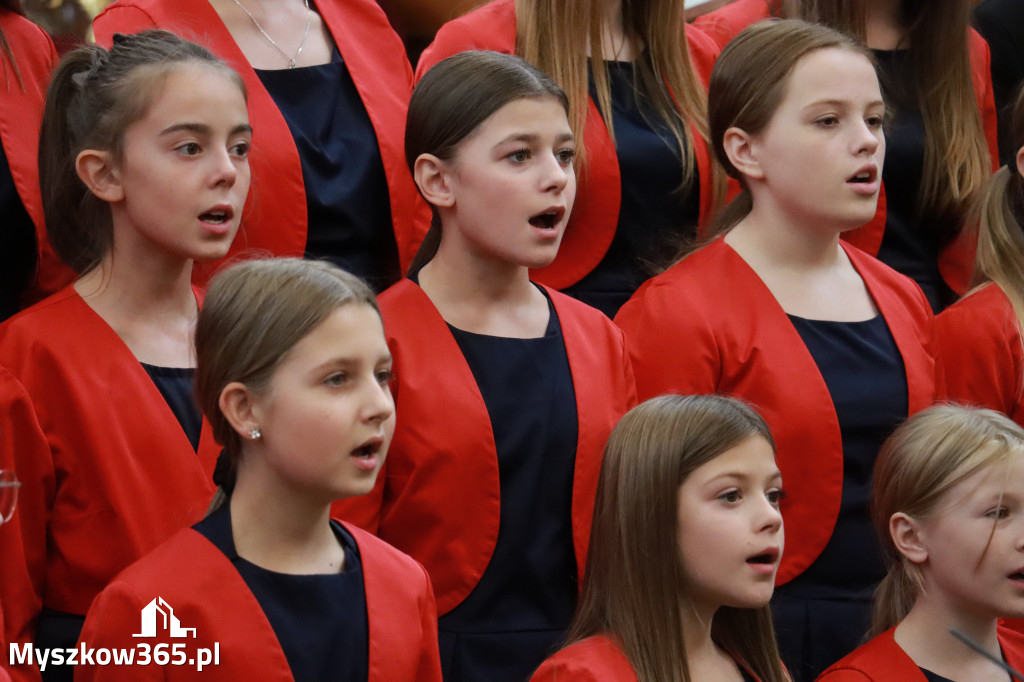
[[207, 593], [710, 325], [21, 114], [882, 660], [438, 496], [275, 218], [107, 472], [598, 195], [979, 356], [725, 23]]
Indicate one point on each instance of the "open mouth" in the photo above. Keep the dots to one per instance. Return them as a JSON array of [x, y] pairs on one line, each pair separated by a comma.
[[547, 220], [767, 557], [368, 449], [864, 177], [1019, 575], [215, 217]]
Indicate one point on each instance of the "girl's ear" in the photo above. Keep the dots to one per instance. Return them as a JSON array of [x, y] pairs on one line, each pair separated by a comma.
[[431, 175], [740, 151], [100, 174], [1020, 162], [906, 533], [238, 406]]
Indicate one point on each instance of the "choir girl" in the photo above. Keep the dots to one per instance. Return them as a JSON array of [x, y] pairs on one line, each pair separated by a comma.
[[637, 98], [507, 390], [328, 89], [940, 127], [293, 373], [686, 539], [831, 346], [144, 161], [949, 510], [26, 59], [980, 351]]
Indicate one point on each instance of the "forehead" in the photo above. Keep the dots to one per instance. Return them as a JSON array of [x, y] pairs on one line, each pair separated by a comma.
[[175, 89], [753, 457], [832, 74], [526, 114]]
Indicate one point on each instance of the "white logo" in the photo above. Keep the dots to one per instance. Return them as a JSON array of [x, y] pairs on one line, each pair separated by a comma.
[[170, 621]]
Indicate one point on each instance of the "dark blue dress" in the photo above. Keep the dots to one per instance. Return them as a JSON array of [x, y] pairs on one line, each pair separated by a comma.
[[518, 613], [824, 613], [655, 217], [17, 243], [320, 620], [176, 385], [347, 197]]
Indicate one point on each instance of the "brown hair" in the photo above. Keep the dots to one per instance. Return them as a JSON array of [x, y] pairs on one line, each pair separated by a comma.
[[253, 314], [956, 156], [556, 35], [453, 99], [634, 585], [94, 96], [6, 54], [926, 456]]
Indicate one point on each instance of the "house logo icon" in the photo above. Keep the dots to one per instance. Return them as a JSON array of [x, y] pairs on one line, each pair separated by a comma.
[[159, 610]]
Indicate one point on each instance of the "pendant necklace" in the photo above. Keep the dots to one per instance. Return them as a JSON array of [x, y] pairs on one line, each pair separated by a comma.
[[302, 43]]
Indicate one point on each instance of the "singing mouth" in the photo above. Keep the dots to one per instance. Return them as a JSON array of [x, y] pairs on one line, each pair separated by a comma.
[[548, 220]]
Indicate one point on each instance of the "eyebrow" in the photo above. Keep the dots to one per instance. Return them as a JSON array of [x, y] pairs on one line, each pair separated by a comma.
[[203, 129], [533, 137], [342, 361], [841, 103]]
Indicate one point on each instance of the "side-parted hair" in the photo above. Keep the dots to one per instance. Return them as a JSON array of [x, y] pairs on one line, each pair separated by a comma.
[[253, 315], [998, 214], [634, 585], [926, 456], [558, 35], [956, 155], [453, 99], [747, 88], [95, 94]]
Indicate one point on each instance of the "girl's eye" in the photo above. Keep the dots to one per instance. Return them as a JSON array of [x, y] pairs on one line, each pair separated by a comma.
[[519, 155], [566, 156], [998, 513], [730, 496], [336, 379], [875, 121], [385, 377], [776, 496], [829, 121], [190, 148], [241, 149]]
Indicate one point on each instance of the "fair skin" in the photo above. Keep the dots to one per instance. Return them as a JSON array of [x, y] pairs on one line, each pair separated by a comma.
[[883, 24], [731, 540], [829, 123], [285, 22], [326, 419], [176, 195], [970, 554], [504, 202], [616, 43]]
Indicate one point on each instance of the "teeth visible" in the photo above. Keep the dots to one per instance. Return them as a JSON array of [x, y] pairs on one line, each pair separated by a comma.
[[215, 217]]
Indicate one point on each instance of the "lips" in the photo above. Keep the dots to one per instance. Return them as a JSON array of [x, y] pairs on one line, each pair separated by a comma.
[[369, 448], [218, 215], [768, 557], [548, 219]]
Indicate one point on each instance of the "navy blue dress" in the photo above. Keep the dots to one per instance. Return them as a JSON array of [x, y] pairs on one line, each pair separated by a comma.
[[347, 197], [518, 613], [911, 243], [824, 613], [176, 385], [17, 243], [320, 620], [655, 217]]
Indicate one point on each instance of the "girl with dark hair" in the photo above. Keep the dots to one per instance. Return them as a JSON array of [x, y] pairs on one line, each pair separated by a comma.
[[26, 59], [980, 346], [498, 506], [328, 86], [754, 313], [686, 539], [948, 506], [144, 165], [940, 128], [293, 373], [636, 77]]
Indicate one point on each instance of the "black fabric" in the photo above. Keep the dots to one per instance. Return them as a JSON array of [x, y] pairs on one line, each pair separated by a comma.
[[655, 217], [58, 630], [932, 677], [517, 614], [176, 385], [1001, 23], [17, 244], [910, 245], [320, 620], [347, 196], [823, 614]]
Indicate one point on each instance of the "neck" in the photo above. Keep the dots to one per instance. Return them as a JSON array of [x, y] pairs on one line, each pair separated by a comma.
[[924, 634], [277, 527], [769, 235], [697, 622], [460, 277], [883, 24]]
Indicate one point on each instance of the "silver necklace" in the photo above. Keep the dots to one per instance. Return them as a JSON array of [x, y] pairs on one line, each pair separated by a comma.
[[302, 44]]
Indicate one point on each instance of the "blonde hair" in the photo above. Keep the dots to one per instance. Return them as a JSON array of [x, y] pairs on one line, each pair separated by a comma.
[[634, 584], [555, 36], [926, 456], [253, 315]]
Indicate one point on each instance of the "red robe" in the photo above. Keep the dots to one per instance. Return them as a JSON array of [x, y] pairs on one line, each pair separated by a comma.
[[956, 262], [207, 593], [882, 660], [596, 211], [275, 219], [710, 325], [442, 461], [595, 659], [107, 472], [979, 356], [21, 114]]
